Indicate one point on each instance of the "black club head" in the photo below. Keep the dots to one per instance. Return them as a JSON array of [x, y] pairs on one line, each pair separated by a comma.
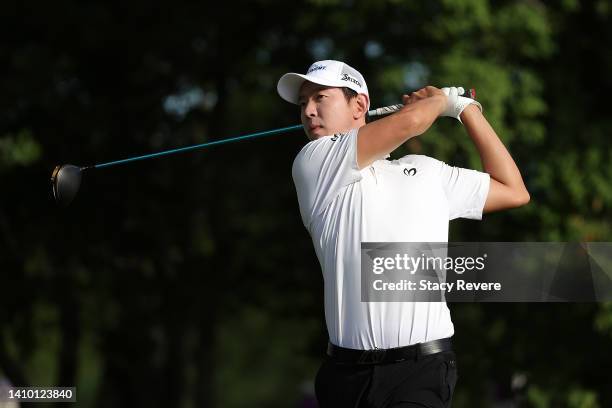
[[65, 181]]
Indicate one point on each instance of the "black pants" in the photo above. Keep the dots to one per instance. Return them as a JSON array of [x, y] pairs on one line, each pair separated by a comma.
[[428, 381]]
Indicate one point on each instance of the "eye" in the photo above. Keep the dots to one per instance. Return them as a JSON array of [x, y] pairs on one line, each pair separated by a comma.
[[321, 97]]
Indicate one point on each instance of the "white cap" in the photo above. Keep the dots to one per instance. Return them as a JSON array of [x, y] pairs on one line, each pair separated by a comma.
[[327, 73]]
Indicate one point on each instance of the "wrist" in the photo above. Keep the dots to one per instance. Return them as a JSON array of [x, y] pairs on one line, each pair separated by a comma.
[[469, 112], [442, 103]]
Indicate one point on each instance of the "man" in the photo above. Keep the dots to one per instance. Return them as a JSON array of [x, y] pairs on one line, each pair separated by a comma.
[[393, 354]]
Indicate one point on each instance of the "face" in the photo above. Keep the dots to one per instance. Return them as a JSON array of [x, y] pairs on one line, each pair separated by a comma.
[[324, 110]]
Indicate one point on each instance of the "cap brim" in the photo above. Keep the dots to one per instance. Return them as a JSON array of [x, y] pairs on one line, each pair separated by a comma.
[[289, 85]]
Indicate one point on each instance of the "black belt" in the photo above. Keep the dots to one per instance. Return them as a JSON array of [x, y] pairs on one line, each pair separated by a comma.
[[346, 355]]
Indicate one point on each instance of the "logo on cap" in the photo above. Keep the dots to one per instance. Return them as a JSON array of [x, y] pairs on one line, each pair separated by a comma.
[[316, 68], [347, 77]]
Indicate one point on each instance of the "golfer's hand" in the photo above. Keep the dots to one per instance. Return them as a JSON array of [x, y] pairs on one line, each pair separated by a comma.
[[456, 104], [424, 93]]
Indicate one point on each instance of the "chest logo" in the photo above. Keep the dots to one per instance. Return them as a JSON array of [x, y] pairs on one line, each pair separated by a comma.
[[410, 172]]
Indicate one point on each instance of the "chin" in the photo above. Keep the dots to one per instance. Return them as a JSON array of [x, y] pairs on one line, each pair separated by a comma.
[[317, 133]]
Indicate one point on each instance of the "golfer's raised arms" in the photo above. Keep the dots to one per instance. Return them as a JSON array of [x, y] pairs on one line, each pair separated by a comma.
[[377, 139]]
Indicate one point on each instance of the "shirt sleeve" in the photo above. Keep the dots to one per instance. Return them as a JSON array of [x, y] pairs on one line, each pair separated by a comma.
[[465, 189], [322, 169]]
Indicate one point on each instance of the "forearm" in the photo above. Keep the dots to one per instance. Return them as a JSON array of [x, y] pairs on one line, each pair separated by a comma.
[[379, 138], [495, 158], [422, 115]]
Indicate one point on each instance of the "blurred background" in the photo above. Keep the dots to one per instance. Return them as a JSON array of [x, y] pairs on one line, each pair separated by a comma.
[[190, 281]]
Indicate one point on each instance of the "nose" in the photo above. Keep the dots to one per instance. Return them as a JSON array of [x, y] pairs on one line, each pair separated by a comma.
[[310, 109]]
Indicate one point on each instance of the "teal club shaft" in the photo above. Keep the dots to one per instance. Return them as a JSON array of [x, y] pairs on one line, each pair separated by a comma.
[[194, 147]]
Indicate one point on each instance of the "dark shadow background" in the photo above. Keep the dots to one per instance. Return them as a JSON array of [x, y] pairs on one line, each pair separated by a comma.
[[189, 281]]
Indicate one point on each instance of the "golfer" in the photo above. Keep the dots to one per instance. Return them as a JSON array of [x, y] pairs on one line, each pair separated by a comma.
[[386, 354]]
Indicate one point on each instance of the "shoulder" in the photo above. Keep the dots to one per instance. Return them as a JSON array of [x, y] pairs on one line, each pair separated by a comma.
[[309, 149], [312, 145], [321, 146]]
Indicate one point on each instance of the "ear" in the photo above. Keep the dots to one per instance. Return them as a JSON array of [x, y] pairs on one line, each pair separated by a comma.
[[360, 106]]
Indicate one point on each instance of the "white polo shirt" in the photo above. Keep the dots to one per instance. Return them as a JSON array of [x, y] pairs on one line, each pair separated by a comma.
[[407, 200]]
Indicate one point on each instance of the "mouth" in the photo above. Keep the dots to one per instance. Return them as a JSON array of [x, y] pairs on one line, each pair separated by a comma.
[[314, 129]]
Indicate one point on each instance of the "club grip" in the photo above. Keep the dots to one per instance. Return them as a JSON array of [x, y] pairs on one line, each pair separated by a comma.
[[387, 110]]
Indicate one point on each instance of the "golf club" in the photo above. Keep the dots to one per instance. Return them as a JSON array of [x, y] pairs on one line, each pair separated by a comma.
[[66, 178]]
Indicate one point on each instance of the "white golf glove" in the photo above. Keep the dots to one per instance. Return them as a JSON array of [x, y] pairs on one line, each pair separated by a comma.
[[456, 104]]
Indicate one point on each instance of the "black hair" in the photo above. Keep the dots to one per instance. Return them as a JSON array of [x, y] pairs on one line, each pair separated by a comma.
[[349, 93]]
